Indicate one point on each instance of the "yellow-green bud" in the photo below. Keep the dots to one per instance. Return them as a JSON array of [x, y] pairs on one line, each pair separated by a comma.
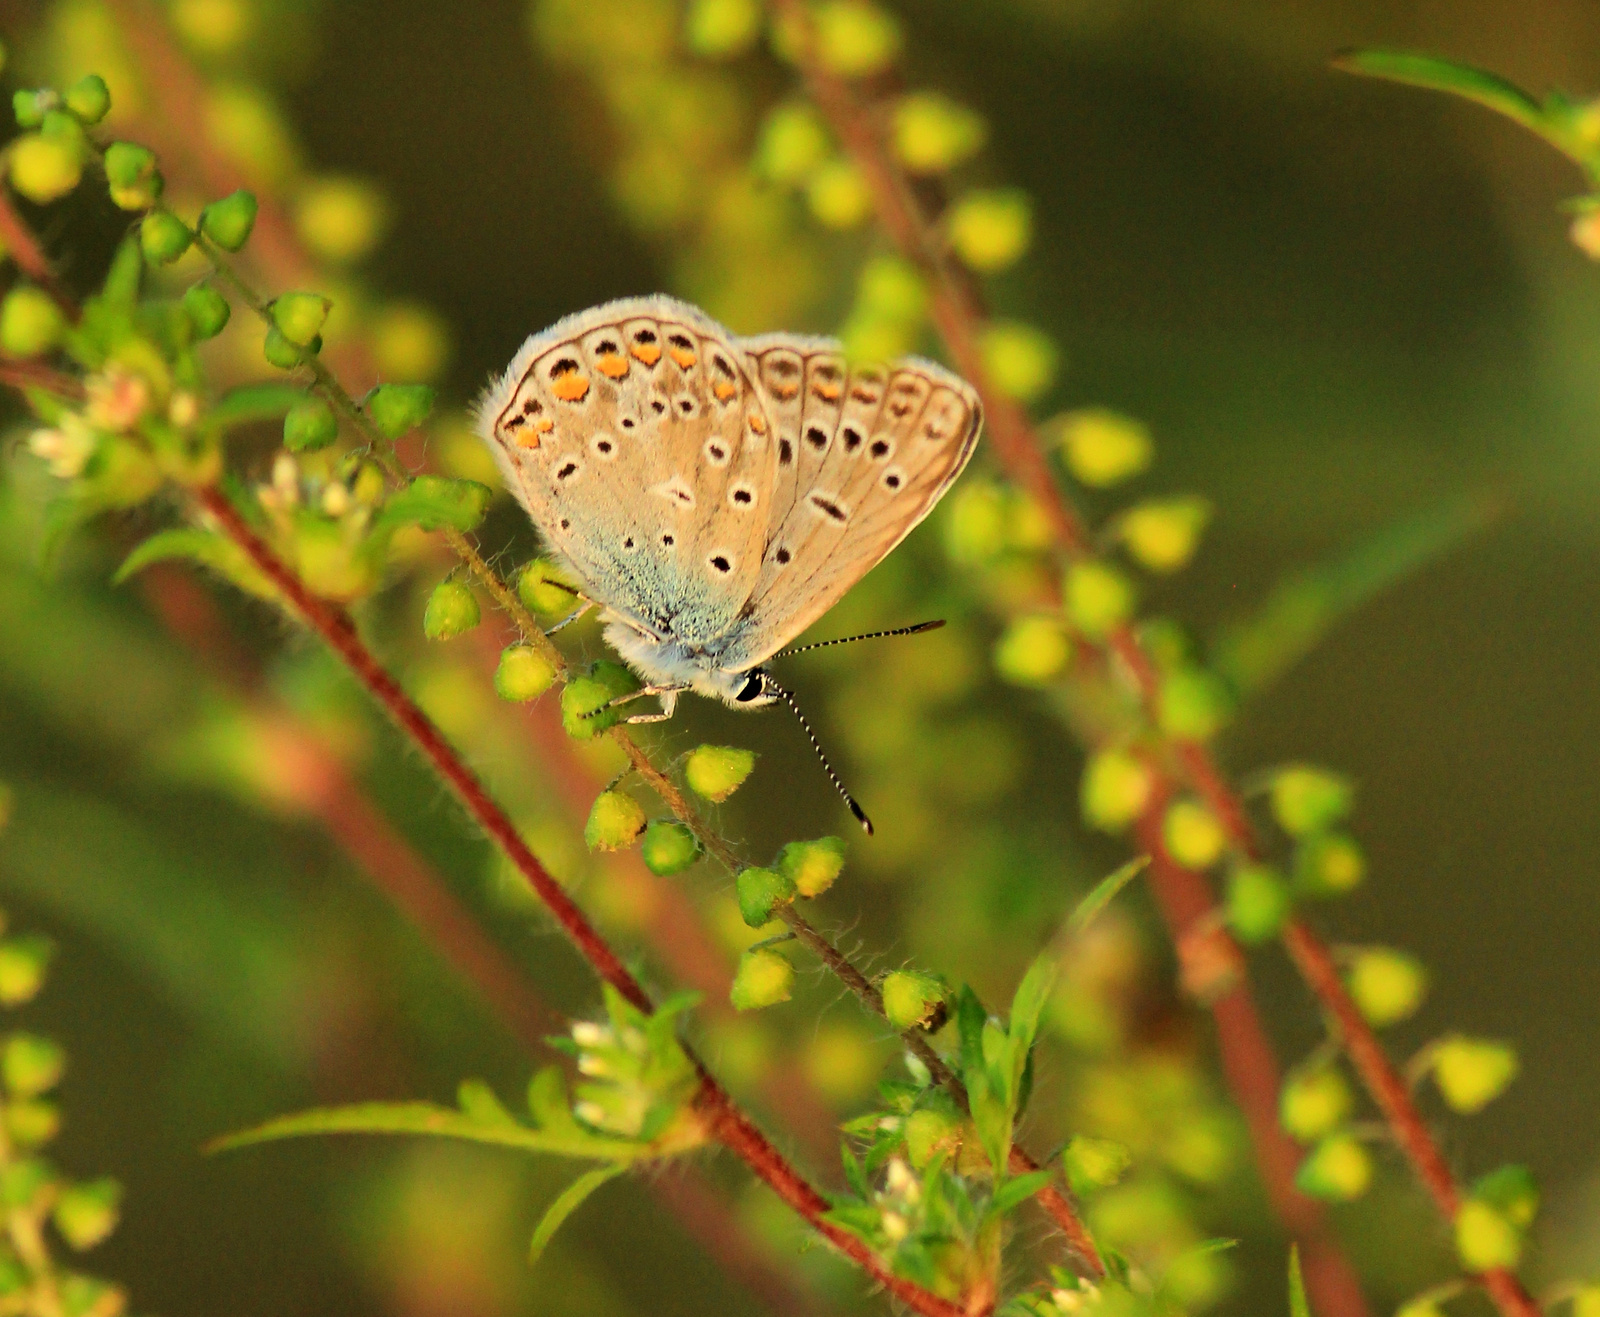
[[1328, 865], [309, 425], [1258, 903], [1116, 788], [301, 316], [396, 408], [85, 1214], [228, 222], [719, 28], [30, 106], [838, 196], [131, 172], [89, 98], [1512, 1191], [1020, 360], [615, 821], [340, 219], [929, 1132], [761, 891], [32, 1123], [975, 527], [932, 133], [283, 354], [1193, 704], [812, 865], [1032, 651], [892, 288], [452, 609], [207, 309], [23, 961], [764, 978], [45, 168], [1162, 534], [30, 323], [1314, 1103], [1103, 448], [793, 143], [1093, 1163], [163, 237], [990, 231], [669, 847], [1472, 1072], [1586, 1301], [30, 1065], [854, 38], [1485, 1239], [1306, 799], [1099, 598], [1193, 835], [1387, 985], [910, 998], [717, 771], [523, 673], [545, 589], [586, 701], [1338, 1169]]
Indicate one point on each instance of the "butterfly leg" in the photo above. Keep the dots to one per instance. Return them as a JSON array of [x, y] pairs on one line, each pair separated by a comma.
[[669, 702], [570, 618]]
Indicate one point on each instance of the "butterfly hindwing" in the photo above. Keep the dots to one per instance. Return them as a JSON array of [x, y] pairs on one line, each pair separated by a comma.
[[637, 440]]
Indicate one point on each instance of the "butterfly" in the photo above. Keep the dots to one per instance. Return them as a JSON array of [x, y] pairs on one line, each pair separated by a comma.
[[714, 496]]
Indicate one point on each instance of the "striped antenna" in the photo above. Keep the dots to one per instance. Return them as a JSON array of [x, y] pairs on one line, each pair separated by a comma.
[[869, 635], [788, 698]]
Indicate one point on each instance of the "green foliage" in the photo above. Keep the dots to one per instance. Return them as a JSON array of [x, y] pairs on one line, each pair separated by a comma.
[[571, 1198], [1105, 891], [397, 408], [205, 548]]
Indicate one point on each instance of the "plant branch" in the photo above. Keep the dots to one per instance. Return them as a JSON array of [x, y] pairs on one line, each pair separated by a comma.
[[19, 242]]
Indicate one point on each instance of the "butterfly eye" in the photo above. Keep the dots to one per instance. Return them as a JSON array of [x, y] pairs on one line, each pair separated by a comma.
[[753, 689]]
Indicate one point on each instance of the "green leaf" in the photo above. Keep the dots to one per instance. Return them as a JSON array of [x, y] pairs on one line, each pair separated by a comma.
[[477, 1100], [570, 1200], [437, 503], [1299, 1305], [221, 555], [430, 1118], [1029, 1001], [1307, 604], [548, 1103], [1436, 74], [1104, 891], [251, 403], [1016, 1191]]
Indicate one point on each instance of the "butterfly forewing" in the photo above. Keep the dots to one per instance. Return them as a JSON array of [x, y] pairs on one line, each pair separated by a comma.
[[874, 449], [635, 437]]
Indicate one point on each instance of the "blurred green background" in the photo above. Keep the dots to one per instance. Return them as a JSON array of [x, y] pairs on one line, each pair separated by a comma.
[[1340, 306]]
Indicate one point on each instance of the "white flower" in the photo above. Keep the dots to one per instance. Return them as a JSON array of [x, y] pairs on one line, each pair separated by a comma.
[[117, 399], [67, 448]]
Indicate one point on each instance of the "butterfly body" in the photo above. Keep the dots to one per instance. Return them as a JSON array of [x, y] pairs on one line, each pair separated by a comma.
[[713, 495]]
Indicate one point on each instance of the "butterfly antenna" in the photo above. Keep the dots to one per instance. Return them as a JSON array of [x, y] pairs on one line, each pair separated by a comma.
[[855, 808], [869, 635]]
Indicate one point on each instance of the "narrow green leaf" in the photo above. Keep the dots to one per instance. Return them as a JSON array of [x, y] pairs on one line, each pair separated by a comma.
[[481, 1103], [570, 1200], [548, 1103], [1031, 997], [1473, 84], [221, 555], [1299, 1305], [253, 402], [1104, 891], [1016, 1191], [429, 1118]]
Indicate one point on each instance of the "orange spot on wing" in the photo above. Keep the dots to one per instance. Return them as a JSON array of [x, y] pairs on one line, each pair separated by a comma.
[[683, 357], [757, 424], [649, 353], [723, 390], [612, 365], [784, 392], [827, 392], [571, 387]]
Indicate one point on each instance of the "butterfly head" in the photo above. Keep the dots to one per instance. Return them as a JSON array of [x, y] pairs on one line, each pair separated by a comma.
[[752, 689]]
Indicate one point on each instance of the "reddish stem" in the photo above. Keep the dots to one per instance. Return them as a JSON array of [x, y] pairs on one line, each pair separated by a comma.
[[20, 243]]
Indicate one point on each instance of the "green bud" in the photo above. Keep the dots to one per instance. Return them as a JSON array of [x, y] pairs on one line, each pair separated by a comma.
[[1338, 1169], [283, 354], [30, 1065], [1512, 1191], [854, 38], [586, 701], [1019, 360], [764, 978], [929, 1132], [1116, 788], [44, 169], [761, 891], [1193, 705], [615, 821], [309, 425], [30, 107], [1193, 835], [793, 142], [32, 1123], [1472, 1072], [1101, 447], [131, 172], [1586, 1301], [990, 231], [931, 133], [1258, 903], [396, 408], [1314, 1103], [910, 999], [207, 309], [524, 673], [812, 865], [22, 1183], [89, 98], [86, 1213], [975, 526], [717, 771], [669, 847], [228, 222], [1328, 865], [1387, 985], [545, 589], [838, 195], [1162, 534], [1485, 1239], [1093, 1163], [1307, 799], [892, 288], [452, 609], [1032, 651], [300, 317], [719, 28], [30, 323], [163, 237], [340, 219], [23, 961], [1099, 598]]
